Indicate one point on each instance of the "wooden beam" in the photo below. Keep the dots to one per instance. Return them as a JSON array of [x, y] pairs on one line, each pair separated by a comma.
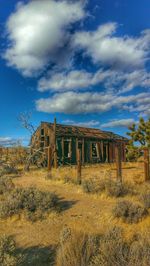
[[55, 148], [118, 162], [102, 150], [146, 164], [79, 167], [63, 150], [124, 151], [91, 152], [107, 152], [76, 150], [83, 158], [110, 152], [49, 158]]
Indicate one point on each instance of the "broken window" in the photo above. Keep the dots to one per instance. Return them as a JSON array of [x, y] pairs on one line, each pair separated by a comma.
[[42, 131], [47, 141], [67, 148], [95, 150]]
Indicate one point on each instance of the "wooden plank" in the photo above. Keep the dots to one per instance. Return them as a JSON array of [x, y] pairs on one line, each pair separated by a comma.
[[63, 150], [79, 167], [49, 159], [102, 150], [124, 151], [107, 152], [83, 155], [118, 162], [146, 164], [91, 152], [55, 148], [76, 150], [110, 153]]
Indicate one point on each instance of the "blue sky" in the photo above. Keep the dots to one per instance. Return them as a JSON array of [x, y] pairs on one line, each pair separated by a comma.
[[85, 62]]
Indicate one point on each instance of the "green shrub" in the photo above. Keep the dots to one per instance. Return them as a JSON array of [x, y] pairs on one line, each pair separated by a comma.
[[8, 254], [129, 212], [6, 184], [31, 200]]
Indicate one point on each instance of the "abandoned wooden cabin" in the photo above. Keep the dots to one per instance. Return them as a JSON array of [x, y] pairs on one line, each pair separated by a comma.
[[96, 146]]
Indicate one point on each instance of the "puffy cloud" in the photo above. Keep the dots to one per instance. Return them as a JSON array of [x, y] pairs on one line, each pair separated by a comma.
[[88, 102], [81, 79], [65, 81], [118, 123], [104, 46], [38, 31]]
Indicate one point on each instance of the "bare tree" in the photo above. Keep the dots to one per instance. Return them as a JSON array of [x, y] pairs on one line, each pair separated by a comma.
[[25, 120]]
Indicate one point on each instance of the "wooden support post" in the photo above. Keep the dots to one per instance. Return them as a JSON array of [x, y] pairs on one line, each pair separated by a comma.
[[91, 158], [76, 150], [110, 153], [146, 164], [102, 150], [63, 151], [79, 167], [107, 152], [49, 165], [118, 162], [55, 148], [83, 151]]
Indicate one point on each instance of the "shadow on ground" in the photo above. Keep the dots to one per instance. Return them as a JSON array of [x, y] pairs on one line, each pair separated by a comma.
[[65, 205], [38, 256]]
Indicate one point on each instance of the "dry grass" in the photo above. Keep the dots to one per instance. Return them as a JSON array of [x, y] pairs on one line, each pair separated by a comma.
[[87, 213]]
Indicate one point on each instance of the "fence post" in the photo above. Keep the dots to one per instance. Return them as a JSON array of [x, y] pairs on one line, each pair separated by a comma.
[[49, 165], [146, 164], [79, 166], [55, 148], [118, 162]]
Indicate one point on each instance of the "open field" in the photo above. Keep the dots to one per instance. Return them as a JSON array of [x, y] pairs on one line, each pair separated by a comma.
[[89, 213]]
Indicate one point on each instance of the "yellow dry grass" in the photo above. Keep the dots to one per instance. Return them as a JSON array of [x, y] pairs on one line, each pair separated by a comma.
[[88, 213]]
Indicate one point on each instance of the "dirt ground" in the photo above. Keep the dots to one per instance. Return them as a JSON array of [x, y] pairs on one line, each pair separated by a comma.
[[86, 212]]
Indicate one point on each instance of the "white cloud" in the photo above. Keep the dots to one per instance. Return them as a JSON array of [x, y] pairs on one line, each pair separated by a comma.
[[104, 46], [91, 123], [81, 79], [88, 102], [118, 123], [38, 31], [66, 81], [8, 141]]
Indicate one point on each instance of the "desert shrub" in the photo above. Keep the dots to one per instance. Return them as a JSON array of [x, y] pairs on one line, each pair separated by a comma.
[[109, 249], [75, 248], [130, 212], [113, 188], [34, 202], [145, 198], [113, 250], [140, 251], [8, 254], [93, 186], [7, 170], [6, 184]]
